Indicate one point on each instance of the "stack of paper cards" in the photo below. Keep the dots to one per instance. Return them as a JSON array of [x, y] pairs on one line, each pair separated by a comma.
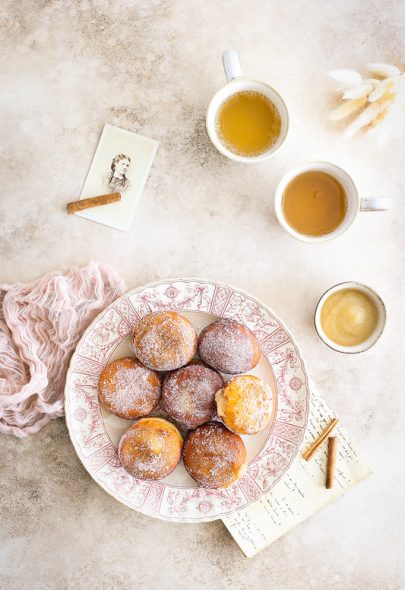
[[301, 492]]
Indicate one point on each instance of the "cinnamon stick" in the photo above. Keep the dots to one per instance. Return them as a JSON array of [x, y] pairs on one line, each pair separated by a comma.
[[82, 204], [309, 452], [330, 466]]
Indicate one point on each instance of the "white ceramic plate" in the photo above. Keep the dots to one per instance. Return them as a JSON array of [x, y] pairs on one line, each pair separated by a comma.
[[95, 432]]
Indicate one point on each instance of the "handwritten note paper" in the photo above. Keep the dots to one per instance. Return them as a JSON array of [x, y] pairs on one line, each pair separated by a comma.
[[301, 492]]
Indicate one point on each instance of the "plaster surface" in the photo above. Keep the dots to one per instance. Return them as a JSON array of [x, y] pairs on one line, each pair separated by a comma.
[[151, 67]]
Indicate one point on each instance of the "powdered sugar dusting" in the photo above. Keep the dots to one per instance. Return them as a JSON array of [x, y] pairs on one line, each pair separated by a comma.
[[164, 341], [188, 394], [213, 455], [150, 448], [128, 389], [227, 346], [245, 404]]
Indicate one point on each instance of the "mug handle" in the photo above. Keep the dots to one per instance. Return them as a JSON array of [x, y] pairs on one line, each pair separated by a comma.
[[231, 65], [375, 204]]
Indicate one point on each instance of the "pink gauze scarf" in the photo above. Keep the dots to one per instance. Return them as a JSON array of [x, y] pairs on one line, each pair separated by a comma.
[[40, 325]]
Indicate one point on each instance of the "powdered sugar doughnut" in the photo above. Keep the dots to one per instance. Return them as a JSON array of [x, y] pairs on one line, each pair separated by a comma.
[[164, 341], [128, 389], [229, 347], [214, 456], [150, 448], [188, 394], [245, 404]]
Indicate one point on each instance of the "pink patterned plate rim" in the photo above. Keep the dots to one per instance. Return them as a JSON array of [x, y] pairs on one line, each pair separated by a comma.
[[95, 433]]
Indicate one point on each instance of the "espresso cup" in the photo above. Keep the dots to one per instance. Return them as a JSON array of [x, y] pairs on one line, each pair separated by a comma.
[[355, 203], [379, 328], [238, 83]]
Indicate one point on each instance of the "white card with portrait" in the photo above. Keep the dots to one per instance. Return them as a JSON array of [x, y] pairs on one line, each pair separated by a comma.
[[121, 164]]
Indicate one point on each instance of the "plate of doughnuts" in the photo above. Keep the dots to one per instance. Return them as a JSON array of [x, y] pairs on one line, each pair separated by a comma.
[[187, 399]]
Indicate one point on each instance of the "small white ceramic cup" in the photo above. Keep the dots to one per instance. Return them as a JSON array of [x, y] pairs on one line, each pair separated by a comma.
[[237, 83], [355, 204], [381, 311]]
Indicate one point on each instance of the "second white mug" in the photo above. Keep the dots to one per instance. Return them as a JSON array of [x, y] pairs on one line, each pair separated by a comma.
[[355, 203]]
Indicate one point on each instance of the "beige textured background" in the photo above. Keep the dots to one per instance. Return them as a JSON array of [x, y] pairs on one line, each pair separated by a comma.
[[152, 66]]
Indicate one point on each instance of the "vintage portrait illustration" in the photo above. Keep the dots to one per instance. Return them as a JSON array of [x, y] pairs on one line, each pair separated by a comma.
[[116, 179], [121, 164]]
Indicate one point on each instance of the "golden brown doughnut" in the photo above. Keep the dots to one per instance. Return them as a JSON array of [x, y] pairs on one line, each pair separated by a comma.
[[128, 389], [150, 448], [229, 347], [164, 341], [214, 456], [245, 404], [188, 394]]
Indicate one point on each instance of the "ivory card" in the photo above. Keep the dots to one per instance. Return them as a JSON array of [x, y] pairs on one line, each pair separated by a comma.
[[301, 492], [121, 164]]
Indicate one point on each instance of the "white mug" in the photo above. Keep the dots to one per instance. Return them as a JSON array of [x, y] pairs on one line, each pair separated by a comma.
[[355, 204], [237, 83], [381, 318]]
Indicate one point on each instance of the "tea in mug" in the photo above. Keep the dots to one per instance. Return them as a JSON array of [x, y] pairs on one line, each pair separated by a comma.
[[248, 123], [314, 203]]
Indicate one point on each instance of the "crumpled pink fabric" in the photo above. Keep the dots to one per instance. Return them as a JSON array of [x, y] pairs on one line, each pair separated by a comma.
[[40, 325]]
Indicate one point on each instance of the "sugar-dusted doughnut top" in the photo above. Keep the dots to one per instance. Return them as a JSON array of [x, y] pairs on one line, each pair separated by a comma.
[[229, 347], [128, 389], [164, 341], [245, 404], [214, 456], [188, 394], [150, 448]]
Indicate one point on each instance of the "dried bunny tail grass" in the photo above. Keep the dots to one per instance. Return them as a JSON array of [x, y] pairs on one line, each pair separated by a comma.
[[364, 119], [372, 101], [360, 91], [348, 77], [387, 85], [347, 108], [373, 81], [383, 70], [391, 121]]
